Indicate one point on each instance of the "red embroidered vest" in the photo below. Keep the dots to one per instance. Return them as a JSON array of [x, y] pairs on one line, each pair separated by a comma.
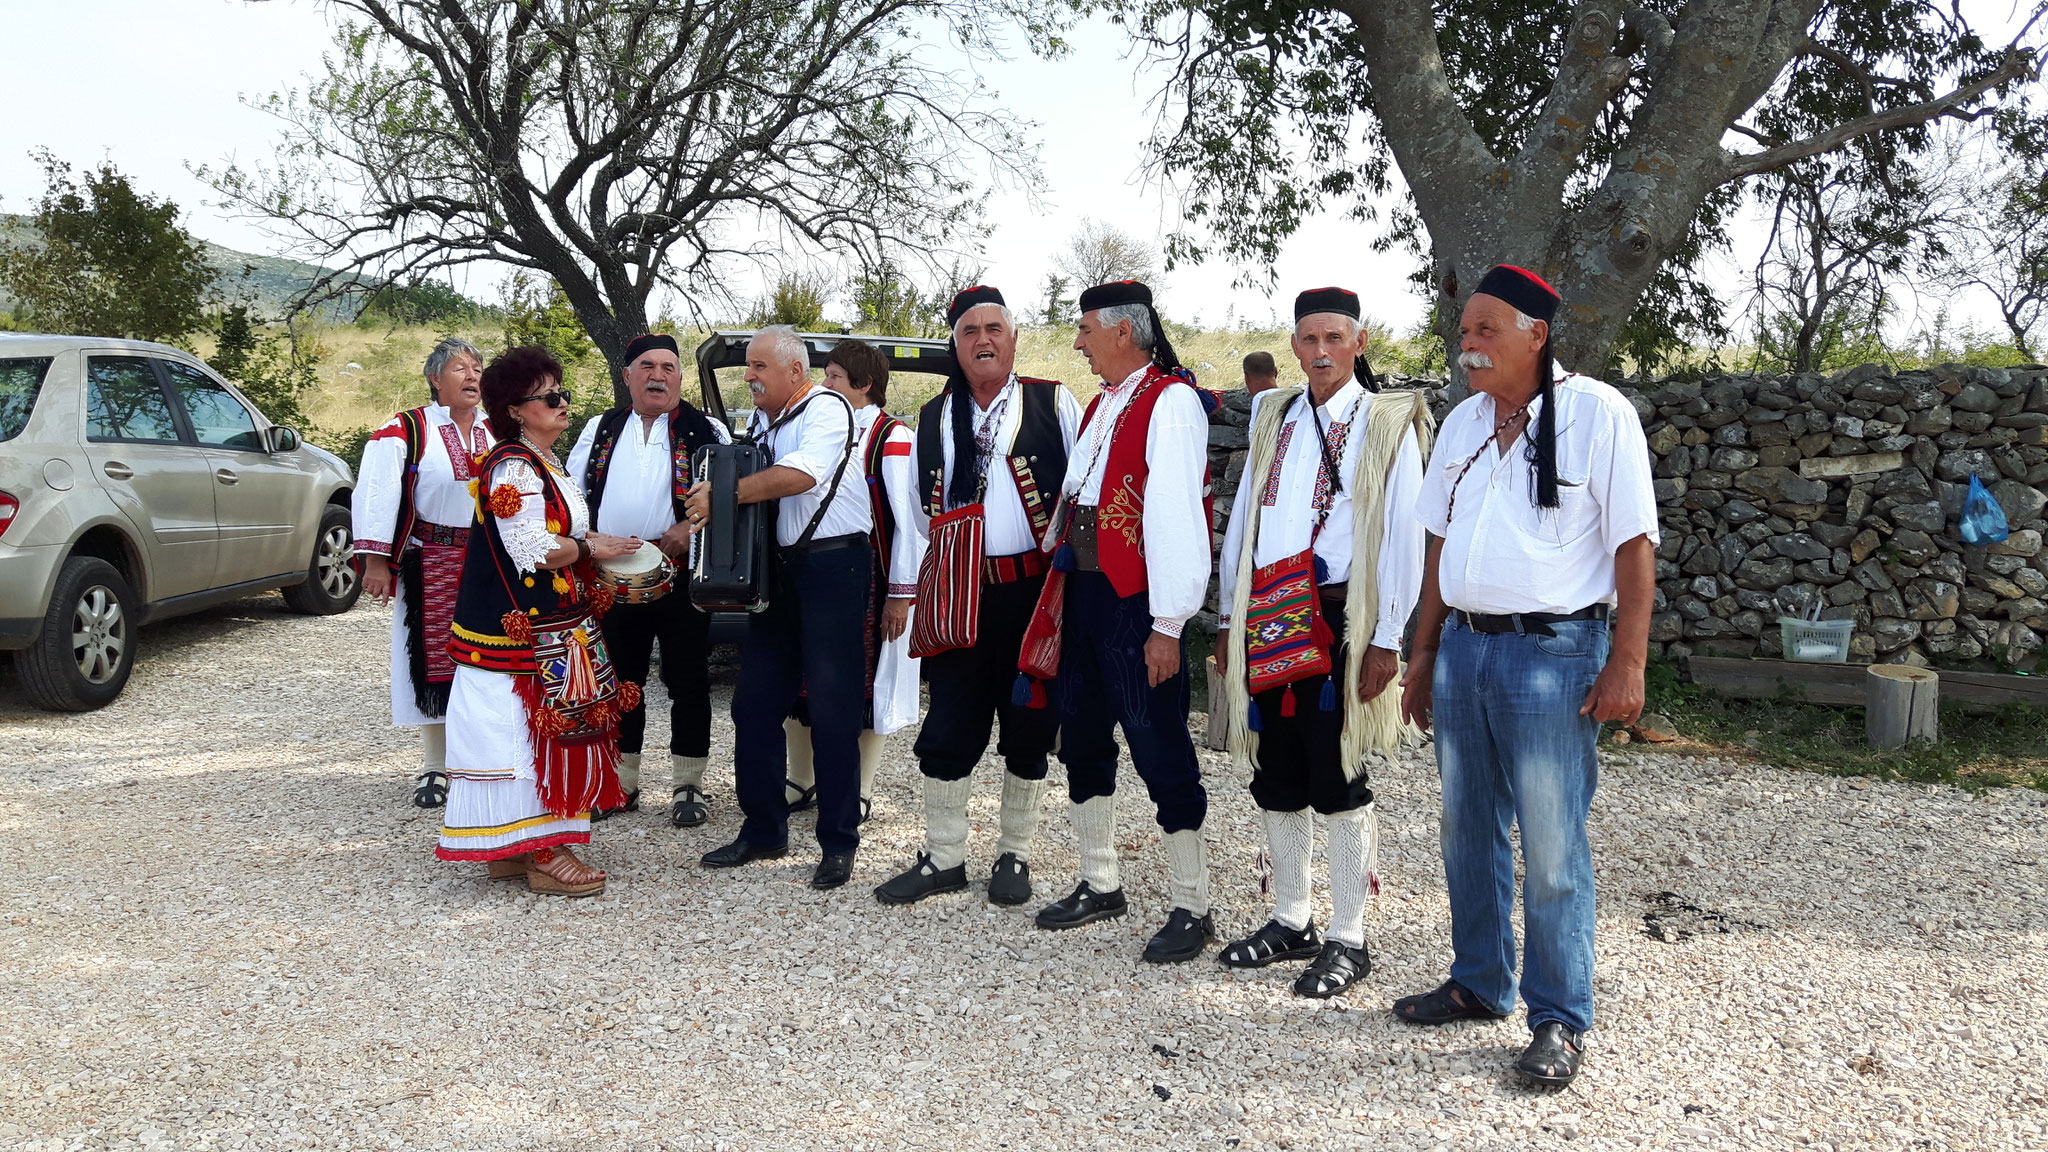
[[1119, 515]]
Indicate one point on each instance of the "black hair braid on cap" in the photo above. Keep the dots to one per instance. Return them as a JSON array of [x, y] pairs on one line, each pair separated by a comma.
[[965, 483], [1162, 348], [1543, 448], [1362, 368]]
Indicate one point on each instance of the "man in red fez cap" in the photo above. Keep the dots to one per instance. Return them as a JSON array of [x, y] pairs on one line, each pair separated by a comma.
[[1533, 630], [634, 465]]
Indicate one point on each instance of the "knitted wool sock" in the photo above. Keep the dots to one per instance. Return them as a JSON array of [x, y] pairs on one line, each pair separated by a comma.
[[945, 820], [871, 747], [1019, 819], [687, 771], [1352, 839], [801, 772], [629, 772], [1291, 838], [1095, 840], [1187, 866]]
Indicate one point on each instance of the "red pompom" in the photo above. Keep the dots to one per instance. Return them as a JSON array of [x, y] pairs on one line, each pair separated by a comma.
[[629, 695], [516, 626], [505, 501], [550, 722], [602, 596]]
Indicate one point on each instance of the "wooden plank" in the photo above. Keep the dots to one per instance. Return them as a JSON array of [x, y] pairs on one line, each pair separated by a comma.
[[1750, 679]]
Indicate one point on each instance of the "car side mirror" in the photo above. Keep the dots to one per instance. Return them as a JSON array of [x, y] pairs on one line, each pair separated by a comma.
[[282, 439]]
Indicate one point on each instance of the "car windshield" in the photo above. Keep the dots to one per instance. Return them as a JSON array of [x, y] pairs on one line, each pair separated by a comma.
[[20, 380]]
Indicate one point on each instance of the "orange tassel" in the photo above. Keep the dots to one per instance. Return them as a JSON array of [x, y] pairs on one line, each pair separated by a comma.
[[579, 681]]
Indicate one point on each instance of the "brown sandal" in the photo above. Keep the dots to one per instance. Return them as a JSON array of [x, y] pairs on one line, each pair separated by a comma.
[[510, 868], [557, 872]]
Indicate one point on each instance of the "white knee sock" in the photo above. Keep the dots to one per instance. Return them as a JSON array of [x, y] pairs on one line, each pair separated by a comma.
[[1095, 839], [629, 772], [1291, 838], [801, 771], [945, 820], [1019, 819], [1187, 865], [687, 771], [434, 747], [1354, 841], [871, 746]]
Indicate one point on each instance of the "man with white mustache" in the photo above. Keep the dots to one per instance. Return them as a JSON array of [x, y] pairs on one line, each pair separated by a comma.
[[634, 465], [1533, 630], [1319, 571]]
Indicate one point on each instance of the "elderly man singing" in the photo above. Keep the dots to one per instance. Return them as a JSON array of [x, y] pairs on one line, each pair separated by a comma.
[[1533, 629], [1319, 572], [811, 637]]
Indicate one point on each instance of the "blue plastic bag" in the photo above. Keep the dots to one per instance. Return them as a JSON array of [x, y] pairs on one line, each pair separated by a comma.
[[1983, 520]]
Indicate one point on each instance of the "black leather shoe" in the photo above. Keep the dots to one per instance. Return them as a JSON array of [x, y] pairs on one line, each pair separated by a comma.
[[1009, 882], [1183, 938], [833, 871], [1336, 969], [1552, 1058], [1272, 943], [741, 851], [1085, 906], [921, 880], [632, 804], [689, 808]]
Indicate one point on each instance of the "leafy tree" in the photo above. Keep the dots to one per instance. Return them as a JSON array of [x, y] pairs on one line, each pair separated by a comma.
[[106, 260], [1098, 253], [2003, 247], [617, 146], [273, 368], [1585, 141], [795, 300], [886, 303], [424, 303], [538, 313], [1059, 307]]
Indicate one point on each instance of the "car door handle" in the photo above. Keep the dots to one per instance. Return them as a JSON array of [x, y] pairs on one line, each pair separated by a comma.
[[116, 470], [225, 476]]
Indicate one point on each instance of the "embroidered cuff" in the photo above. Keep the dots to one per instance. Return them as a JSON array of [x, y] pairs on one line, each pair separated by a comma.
[[902, 591], [527, 543], [1166, 627], [374, 548]]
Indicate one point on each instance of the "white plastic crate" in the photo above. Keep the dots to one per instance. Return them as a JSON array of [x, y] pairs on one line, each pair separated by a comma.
[[1816, 641]]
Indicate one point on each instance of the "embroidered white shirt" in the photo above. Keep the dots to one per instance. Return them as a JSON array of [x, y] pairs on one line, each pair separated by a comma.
[[1176, 535], [441, 493], [1288, 496], [1007, 529], [899, 487], [639, 483], [525, 533], [1503, 554], [814, 443]]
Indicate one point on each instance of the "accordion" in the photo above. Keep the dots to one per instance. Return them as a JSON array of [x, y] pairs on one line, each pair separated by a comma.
[[729, 554]]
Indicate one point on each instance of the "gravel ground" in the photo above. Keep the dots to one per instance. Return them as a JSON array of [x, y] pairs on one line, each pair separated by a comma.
[[225, 929]]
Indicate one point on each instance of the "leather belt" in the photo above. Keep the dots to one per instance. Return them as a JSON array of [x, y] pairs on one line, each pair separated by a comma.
[[1082, 536], [1010, 569], [827, 544], [1529, 623]]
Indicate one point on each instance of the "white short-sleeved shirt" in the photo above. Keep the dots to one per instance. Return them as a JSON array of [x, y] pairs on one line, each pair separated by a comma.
[[1503, 554], [814, 443]]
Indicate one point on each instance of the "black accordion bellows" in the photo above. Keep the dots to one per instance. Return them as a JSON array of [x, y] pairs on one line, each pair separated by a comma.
[[729, 554]]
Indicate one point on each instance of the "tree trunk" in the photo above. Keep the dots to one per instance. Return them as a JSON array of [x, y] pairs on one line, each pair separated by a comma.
[[1901, 703]]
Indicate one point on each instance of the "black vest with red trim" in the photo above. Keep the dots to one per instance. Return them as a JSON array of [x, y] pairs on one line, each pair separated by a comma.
[[884, 534], [688, 430], [1037, 458], [494, 594]]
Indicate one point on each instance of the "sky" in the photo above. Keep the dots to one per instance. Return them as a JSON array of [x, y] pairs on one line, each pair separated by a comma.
[[156, 85]]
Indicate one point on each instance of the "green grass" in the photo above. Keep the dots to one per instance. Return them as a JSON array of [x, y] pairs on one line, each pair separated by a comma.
[[1976, 751]]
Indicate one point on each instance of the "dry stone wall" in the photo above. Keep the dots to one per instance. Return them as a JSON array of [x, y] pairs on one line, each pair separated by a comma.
[[1779, 492]]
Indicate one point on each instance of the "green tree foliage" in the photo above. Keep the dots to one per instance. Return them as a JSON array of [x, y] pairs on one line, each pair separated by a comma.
[[1059, 306], [886, 303], [106, 260], [424, 303], [796, 300], [2002, 247], [272, 365], [1589, 141], [537, 312]]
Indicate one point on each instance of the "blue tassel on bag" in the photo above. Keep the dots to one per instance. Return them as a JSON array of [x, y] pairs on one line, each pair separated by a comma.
[[1063, 557], [1322, 571], [1328, 703], [1020, 692], [1252, 721]]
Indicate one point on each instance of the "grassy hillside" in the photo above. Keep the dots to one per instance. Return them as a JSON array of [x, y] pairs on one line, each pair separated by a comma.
[[267, 282]]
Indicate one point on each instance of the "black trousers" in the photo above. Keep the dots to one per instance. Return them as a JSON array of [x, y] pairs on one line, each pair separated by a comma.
[[808, 640], [970, 691], [1103, 686], [630, 631], [1299, 763]]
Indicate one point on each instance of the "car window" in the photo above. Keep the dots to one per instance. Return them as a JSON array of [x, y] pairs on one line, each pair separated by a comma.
[[20, 380], [125, 402], [218, 419]]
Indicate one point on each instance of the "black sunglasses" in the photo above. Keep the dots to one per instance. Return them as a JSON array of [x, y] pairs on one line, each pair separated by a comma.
[[557, 399]]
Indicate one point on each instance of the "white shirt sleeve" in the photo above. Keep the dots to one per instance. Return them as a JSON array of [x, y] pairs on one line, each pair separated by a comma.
[[822, 429], [899, 485], [380, 483], [1070, 417], [525, 532], [1177, 536], [718, 429], [579, 456], [1623, 488], [1402, 543], [1233, 535]]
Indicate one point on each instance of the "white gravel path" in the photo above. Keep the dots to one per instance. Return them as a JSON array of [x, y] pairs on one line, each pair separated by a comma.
[[224, 928]]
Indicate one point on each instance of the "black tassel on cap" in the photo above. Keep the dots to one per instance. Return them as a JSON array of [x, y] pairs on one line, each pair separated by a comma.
[[965, 484], [1533, 297]]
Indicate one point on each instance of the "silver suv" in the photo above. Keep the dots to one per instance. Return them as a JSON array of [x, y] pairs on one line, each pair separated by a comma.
[[135, 485]]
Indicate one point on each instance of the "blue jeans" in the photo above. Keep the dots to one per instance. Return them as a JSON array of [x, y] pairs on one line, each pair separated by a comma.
[[1511, 746]]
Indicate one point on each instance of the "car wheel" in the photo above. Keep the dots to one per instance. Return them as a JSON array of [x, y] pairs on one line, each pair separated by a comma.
[[82, 658], [332, 582]]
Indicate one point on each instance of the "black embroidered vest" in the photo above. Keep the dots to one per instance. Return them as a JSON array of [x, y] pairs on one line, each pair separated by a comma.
[[1038, 458], [688, 430]]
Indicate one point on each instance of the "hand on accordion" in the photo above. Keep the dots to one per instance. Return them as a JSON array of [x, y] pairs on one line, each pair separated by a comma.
[[697, 505]]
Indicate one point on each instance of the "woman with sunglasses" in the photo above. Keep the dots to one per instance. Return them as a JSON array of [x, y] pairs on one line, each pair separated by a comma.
[[533, 714]]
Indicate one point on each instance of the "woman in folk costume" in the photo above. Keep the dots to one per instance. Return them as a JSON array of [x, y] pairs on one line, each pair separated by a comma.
[[533, 712], [860, 372], [412, 516], [1321, 565]]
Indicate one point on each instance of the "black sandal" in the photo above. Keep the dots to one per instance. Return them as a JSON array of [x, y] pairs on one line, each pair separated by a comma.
[[867, 809], [1334, 971], [689, 808], [632, 804], [431, 791], [806, 798], [1450, 1001], [1274, 942], [1552, 1058]]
